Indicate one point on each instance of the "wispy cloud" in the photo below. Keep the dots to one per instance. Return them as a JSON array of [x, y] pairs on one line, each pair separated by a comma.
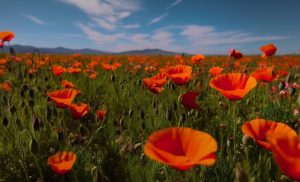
[[208, 35], [158, 19], [98, 37], [106, 14], [35, 19], [131, 26], [176, 2]]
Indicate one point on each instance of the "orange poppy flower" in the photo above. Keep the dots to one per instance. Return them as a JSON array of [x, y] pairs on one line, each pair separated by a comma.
[[63, 98], [112, 67], [67, 84], [62, 162], [181, 148], [77, 64], [264, 74], [196, 59], [74, 70], [257, 129], [286, 152], [58, 70], [179, 74], [79, 110], [233, 86], [6, 36], [214, 71], [3, 61], [188, 100], [101, 114], [268, 50], [155, 84], [93, 76], [6, 86], [235, 54]]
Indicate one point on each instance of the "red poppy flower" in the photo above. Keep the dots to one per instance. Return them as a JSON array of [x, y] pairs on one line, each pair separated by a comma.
[[67, 84], [181, 148], [196, 59], [1, 44], [179, 74], [63, 98], [6, 36], [286, 152], [257, 129], [283, 73], [268, 50], [62, 162], [264, 74], [58, 70], [189, 100], [214, 71], [101, 114], [74, 70], [233, 86], [79, 110], [235, 54]]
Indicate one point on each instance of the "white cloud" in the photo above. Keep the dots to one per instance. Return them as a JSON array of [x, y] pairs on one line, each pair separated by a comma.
[[158, 19], [176, 2], [106, 13], [35, 19], [208, 35], [131, 26], [98, 37]]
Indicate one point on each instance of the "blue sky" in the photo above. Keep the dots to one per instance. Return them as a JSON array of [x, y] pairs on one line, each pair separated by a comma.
[[192, 26]]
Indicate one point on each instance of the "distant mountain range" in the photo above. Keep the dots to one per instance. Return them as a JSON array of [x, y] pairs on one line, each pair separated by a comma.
[[62, 50]]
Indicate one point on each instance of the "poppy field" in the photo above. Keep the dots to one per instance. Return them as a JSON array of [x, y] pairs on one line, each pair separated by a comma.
[[149, 118]]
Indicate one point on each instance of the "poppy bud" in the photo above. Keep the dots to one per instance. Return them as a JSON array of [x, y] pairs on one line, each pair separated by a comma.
[[182, 118], [292, 91], [30, 76], [34, 147], [112, 78], [31, 103], [60, 135], [12, 109], [240, 174], [246, 140], [31, 93], [25, 87], [22, 94], [5, 121], [130, 113], [36, 124], [142, 114], [289, 78], [169, 115]]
